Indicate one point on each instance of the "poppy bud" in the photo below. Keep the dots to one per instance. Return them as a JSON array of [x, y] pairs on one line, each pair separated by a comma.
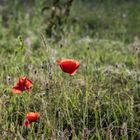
[[26, 123]]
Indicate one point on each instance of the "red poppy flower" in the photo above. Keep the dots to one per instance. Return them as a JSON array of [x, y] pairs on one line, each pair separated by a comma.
[[23, 84], [69, 65], [33, 116]]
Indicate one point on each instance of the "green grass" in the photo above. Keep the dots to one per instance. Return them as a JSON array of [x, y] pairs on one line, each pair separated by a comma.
[[100, 102]]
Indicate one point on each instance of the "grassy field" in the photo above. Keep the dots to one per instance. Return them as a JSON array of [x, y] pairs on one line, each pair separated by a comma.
[[101, 101]]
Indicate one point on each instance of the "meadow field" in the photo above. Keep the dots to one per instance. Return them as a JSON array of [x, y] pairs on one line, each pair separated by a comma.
[[100, 99]]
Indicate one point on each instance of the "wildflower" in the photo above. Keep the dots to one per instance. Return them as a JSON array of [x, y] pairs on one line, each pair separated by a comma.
[[23, 84], [33, 117], [30, 118], [69, 65]]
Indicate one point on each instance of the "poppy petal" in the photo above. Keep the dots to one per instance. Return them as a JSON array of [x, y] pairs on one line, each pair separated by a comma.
[[68, 66], [28, 84], [16, 90], [22, 80], [77, 64], [73, 73]]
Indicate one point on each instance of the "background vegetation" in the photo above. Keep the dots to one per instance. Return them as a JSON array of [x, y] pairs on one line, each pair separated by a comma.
[[102, 100]]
